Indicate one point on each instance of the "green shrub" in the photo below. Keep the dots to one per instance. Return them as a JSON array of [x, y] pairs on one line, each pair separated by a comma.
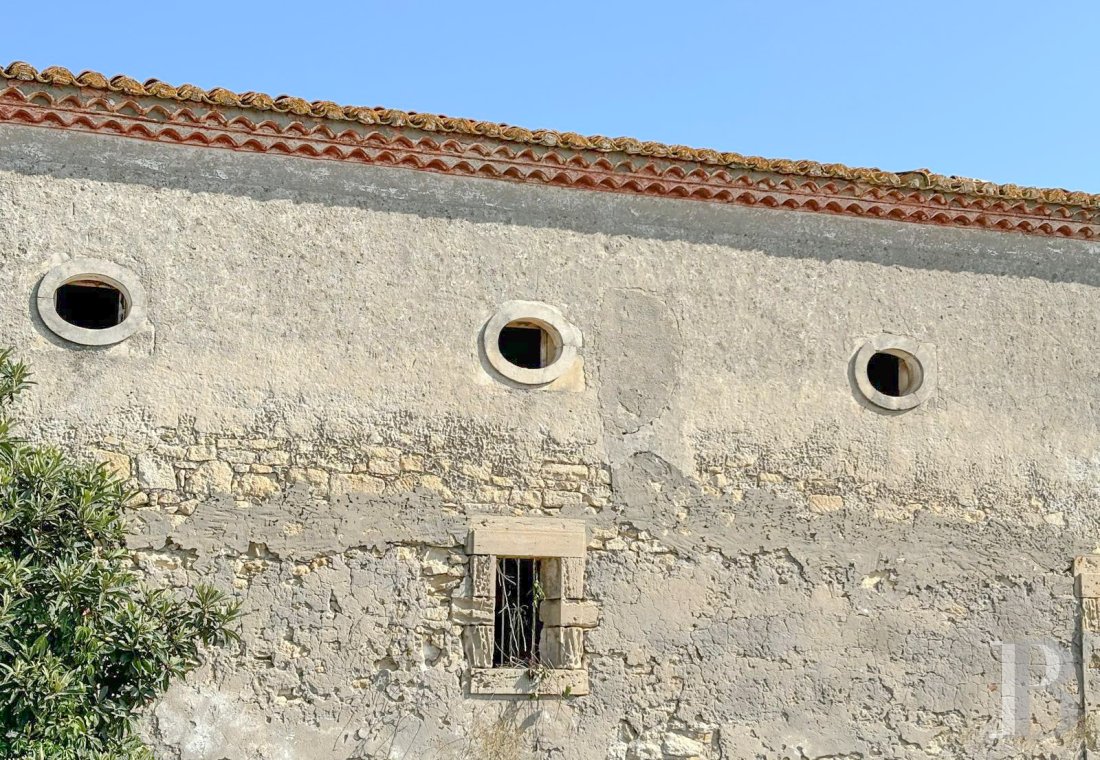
[[84, 645]]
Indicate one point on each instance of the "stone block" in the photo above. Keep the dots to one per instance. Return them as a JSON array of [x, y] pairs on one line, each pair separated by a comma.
[[405, 483], [154, 472], [201, 453], [117, 464], [477, 472], [823, 503], [435, 483], [558, 612], [524, 682], [344, 485], [1088, 585], [678, 745], [472, 611], [213, 477], [275, 458], [562, 647], [522, 498], [412, 463], [478, 640], [491, 495], [527, 537], [483, 573], [258, 486], [314, 477], [170, 452], [563, 578], [237, 456], [559, 499], [1090, 614], [384, 466], [571, 472]]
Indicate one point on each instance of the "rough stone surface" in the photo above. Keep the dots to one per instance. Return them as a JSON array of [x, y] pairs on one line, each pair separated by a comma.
[[781, 571], [154, 472]]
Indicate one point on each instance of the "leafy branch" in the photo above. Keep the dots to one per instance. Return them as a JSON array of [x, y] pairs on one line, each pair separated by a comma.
[[84, 644]]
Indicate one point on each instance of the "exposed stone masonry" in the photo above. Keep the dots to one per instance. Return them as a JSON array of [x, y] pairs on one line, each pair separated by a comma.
[[322, 643], [368, 633], [181, 469]]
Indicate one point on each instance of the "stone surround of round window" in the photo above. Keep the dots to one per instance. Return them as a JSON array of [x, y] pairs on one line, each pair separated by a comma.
[[91, 302], [530, 343], [895, 372]]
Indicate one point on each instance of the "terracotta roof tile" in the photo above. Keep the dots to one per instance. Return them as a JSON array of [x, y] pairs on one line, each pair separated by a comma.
[[154, 110]]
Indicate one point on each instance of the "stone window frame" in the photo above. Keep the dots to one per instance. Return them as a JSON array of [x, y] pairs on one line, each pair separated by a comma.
[[560, 546], [909, 350], [98, 270], [564, 336]]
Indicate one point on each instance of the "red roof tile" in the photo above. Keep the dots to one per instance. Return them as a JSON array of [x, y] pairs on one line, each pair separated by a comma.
[[56, 98]]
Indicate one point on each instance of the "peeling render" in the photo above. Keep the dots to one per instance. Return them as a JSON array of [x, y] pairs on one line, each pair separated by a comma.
[[780, 570]]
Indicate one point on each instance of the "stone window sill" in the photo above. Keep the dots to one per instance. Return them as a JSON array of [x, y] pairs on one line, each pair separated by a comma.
[[523, 682]]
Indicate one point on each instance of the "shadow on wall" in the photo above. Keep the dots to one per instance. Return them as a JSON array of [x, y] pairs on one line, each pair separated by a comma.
[[781, 233]]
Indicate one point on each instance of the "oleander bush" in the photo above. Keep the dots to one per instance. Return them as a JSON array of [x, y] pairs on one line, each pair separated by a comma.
[[85, 644]]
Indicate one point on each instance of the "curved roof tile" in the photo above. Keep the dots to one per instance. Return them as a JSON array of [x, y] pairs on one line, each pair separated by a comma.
[[673, 170]]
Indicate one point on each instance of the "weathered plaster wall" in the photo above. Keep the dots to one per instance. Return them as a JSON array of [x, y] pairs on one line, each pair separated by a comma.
[[782, 571]]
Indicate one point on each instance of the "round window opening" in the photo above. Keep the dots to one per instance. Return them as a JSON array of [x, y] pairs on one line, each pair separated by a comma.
[[529, 343], [91, 302], [895, 372]]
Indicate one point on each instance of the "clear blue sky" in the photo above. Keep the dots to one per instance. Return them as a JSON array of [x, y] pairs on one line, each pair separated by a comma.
[[1005, 91]]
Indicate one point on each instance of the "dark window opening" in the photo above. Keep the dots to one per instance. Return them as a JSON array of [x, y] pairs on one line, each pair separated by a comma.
[[523, 346], [888, 374], [90, 304], [516, 624]]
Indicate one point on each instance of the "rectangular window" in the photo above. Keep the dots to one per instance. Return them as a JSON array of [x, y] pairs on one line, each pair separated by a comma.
[[516, 623], [526, 615]]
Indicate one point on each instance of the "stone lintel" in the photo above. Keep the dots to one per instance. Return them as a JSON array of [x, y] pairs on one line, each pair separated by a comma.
[[527, 537]]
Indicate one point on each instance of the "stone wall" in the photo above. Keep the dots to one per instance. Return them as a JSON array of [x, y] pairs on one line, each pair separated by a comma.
[[780, 570]]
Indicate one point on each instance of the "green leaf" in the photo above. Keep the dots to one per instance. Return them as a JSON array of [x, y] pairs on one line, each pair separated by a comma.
[[84, 644]]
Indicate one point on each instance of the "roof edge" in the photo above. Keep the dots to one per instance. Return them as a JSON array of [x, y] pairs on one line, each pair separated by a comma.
[[944, 199], [324, 109]]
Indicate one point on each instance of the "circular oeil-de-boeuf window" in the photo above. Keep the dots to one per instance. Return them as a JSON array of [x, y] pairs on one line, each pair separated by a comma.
[[530, 342], [895, 372], [91, 302]]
